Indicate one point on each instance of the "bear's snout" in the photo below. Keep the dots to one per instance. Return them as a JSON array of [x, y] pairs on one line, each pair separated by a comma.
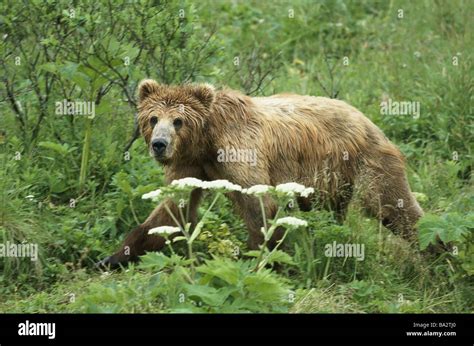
[[159, 146]]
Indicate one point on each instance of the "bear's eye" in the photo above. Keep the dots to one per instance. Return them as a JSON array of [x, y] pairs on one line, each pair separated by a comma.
[[177, 123], [153, 121]]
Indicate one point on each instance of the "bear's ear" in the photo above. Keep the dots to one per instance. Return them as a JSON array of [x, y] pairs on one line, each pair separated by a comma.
[[146, 88], [204, 93]]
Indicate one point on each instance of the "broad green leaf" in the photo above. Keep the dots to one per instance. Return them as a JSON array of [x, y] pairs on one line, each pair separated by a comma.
[[50, 67], [121, 181], [81, 80], [450, 227], [131, 52], [97, 65], [57, 185], [104, 108], [197, 230], [265, 285], [62, 149], [142, 189], [68, 70], [209, 295], [252, 253], [153, 260], [112, 46], [279, 256], [224, 269], [428, 230], [452, 233]]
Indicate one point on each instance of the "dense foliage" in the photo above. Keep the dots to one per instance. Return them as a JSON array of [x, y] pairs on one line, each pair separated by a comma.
[[73, 183]]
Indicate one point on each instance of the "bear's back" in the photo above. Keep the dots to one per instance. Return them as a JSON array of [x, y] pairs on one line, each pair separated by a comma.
[[330, 116], [319, 124], [293, 105]]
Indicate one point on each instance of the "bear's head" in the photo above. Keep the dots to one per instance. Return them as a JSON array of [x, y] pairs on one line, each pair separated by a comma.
[[173, 119]]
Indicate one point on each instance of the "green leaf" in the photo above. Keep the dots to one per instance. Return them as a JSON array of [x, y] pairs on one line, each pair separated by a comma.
[[209, 295], [97, 65], [279, 256], [121, 181], [252, 253], [116, 62], [56, 183], [224, 269], [452, 233], [113, 45], [153, 260], [428, 230], [142, 189], [197, 231], [131, 52], [49, 67], [104, 108], [265, 286], [62, 149], [450, 227], [68, 70], [81, 80]]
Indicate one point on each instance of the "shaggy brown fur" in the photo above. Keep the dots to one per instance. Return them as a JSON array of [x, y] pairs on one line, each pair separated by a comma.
[[315, 141]]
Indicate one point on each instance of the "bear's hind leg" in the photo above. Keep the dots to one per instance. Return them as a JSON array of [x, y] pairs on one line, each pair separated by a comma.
[[250, 210]]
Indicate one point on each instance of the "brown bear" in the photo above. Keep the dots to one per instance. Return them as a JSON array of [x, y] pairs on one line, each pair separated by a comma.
[[315, 141]]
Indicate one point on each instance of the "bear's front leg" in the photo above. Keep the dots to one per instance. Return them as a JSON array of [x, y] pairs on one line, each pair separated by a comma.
[[138, 242]]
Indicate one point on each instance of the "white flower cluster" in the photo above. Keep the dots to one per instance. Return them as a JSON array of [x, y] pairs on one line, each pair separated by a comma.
[[290, 189], [215, 184], [164, 230], [221, 184], [257, 190], [291, 221], [153, 195], [306, 192], [187, 182], [294, 188]]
